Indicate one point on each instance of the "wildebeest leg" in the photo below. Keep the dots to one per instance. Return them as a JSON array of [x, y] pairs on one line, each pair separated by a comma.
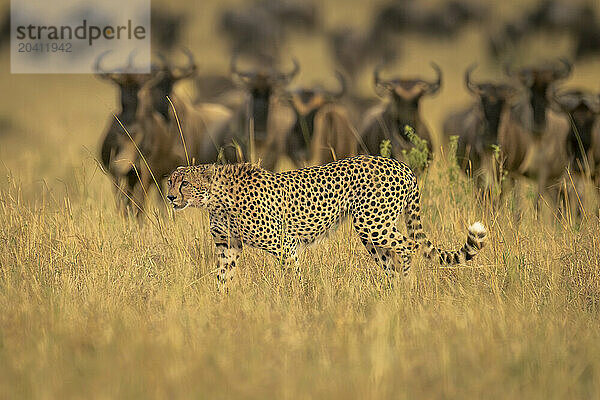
[[126, 196], [510, 185], [544, 194], [143, 182]]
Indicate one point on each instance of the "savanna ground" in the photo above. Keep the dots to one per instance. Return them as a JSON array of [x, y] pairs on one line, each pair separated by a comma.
[[94, 305]]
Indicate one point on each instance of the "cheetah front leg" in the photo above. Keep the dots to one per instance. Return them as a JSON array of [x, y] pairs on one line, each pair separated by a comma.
[[228, 251]]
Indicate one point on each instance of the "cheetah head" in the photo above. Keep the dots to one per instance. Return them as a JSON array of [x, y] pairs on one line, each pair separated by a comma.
[[189, 186]]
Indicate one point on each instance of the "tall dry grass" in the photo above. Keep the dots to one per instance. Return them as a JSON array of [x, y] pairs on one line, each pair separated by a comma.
[[94, 305]]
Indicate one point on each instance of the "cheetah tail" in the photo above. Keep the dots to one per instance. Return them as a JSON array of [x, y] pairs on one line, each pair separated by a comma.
[[476, 238]]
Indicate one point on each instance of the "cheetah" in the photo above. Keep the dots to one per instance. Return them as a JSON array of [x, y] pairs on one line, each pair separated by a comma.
[[284, 212]]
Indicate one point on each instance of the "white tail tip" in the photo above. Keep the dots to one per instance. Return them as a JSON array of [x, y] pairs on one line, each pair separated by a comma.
[[478, 229]]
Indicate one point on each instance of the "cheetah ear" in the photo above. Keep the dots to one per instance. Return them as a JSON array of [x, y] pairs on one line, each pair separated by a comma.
[[208, 172]]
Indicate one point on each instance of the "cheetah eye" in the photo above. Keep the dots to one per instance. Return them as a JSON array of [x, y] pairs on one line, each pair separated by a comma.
[[184, 183], [170, 182]]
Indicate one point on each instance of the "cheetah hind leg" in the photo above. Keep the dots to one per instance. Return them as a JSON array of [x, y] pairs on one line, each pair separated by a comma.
[[290, 264], [392, 262], [292, 267]]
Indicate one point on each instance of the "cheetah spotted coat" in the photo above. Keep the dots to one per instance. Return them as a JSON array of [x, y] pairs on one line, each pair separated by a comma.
[[284, 212]]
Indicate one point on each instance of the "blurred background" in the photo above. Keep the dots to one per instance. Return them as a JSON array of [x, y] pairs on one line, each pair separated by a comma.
[[50, 124]]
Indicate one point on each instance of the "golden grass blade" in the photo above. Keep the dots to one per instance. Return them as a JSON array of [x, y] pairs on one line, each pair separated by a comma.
[[187, 158]]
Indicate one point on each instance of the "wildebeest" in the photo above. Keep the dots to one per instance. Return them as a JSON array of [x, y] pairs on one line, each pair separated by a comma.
[[301, 15], [263, 120], [166, 27], [400, 108], [538, 80], [588, 34], [322, 130], [577, 19], [532, 135], [477, 127], [117, 148], [583, 143], [252, 34], [445, 19], [260, 30], [352, 49], [218, 88]]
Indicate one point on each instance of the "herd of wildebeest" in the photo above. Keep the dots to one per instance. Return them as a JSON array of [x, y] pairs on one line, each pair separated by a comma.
[[525, 125]]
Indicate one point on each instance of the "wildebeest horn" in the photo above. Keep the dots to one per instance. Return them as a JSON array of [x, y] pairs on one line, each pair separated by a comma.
[[186, 71], [286, 77], [97, 66], [435, 86], [376, 72], [473, 88], [164, 64], [566, 100], [130, 60], [115, 77], [342, 80], [235, 70], [563, 70], [379, 83]]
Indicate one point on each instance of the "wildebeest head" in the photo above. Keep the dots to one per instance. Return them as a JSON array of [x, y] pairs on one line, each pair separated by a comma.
[[538, 80], [307, 100], [261, 83], [543, 75], [406, 93], [493, 97], [583, 108], [129, 85], [165, 78]]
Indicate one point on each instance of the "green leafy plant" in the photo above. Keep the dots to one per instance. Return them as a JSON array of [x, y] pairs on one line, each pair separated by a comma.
[[385, 148], [418, 156]]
